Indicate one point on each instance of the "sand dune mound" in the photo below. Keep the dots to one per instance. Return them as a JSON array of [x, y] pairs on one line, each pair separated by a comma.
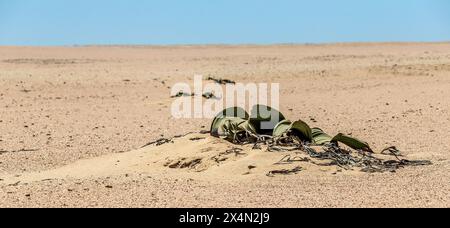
[[193, 155], [210, 156]]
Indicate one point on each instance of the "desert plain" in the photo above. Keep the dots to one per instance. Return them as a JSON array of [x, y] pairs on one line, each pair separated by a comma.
[[73, 121]]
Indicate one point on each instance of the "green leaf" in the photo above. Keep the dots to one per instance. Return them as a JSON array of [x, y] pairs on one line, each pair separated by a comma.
[[235, 129], [353, 143], [265, 118], [282, 128], [302, 130], [320, 138], [298, 128], [226, 114], [231, 125]]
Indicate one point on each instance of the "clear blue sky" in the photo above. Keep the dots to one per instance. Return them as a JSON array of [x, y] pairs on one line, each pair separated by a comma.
[[79, 22]]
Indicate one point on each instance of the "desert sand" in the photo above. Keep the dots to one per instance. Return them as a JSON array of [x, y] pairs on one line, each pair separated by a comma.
[[74, 120]]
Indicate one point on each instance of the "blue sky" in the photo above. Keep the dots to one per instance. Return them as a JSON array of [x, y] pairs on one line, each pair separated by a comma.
[[80, 22]]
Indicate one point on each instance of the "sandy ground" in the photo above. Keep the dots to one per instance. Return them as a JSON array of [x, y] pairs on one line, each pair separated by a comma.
[[73, 121]]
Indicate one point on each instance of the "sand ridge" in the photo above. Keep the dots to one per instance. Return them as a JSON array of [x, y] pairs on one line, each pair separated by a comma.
[[198, 156]]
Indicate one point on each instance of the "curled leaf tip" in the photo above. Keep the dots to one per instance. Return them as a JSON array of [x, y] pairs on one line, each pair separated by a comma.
[[352, 142]]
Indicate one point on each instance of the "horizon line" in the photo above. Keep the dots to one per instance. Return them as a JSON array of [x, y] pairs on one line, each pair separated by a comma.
[[237, 44]]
